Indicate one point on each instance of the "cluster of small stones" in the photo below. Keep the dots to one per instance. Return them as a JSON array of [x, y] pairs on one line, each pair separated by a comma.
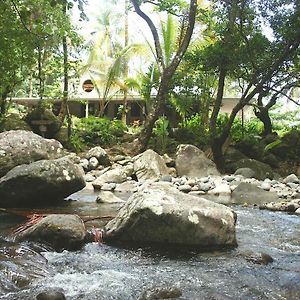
[[288, 189]]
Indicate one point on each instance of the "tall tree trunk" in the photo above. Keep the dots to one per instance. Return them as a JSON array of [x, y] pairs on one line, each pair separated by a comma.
[[64, 109], [216, 141], [166, 72]]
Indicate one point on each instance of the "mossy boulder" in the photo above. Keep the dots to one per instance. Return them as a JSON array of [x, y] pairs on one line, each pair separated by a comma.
[[13, 122]]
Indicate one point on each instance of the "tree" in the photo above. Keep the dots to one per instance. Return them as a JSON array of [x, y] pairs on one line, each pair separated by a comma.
[[166, 71], [16, 48], [241, 51]]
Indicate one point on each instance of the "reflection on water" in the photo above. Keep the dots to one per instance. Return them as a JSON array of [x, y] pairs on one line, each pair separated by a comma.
[[104, 272]]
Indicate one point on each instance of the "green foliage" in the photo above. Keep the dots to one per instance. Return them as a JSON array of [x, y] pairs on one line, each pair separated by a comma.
[[193, 131], [250, 130], [100, 131], [272, 145], [161, 141], [76, 143]]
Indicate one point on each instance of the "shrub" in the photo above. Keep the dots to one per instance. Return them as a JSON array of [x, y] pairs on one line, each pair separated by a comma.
[[100, 131]]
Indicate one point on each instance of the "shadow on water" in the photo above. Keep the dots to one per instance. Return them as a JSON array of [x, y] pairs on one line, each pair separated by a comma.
[[107, 272]]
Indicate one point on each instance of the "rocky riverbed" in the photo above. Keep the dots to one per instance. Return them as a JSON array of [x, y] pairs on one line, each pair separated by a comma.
[[164, 213]]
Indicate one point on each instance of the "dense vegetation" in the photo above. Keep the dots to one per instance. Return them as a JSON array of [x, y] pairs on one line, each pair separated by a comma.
[[199, 53]]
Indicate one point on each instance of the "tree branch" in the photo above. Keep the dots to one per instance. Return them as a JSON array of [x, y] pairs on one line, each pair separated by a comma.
[[154, 32]]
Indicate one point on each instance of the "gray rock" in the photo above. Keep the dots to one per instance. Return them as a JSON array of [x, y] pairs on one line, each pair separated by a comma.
[[100, 154], [205, 187], [167, 178], [161, 293], [251, 194], [108, 186], [126, 187], [185, 188], [51, 295], [24, 147], [59, 231], [292, 178], [89, 178], [229, 178], [192, 162], [85, 164], [266, 186], [117, 175], [170, 162], [149, 165], [245, 172], [297, 212], [93, 163], [158, 212], [261, 170], [42, 182], [108, 197]]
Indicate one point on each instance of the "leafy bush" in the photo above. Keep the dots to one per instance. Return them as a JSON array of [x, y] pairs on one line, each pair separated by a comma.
[[161, 142], [100, 131]]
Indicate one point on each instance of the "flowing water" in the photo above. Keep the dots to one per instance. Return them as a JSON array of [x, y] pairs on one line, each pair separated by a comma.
[[105, 272]]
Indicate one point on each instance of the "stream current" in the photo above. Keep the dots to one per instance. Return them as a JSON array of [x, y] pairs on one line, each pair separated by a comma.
[[106, 272]]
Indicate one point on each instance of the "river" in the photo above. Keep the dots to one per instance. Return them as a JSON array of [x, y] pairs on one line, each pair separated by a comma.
[[105, 272]]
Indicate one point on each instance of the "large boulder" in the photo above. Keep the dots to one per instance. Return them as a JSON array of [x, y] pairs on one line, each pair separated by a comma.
[[159, 214], [19, 147], [261, 170], [58, 231], [100, 154], [149, 166], [192, 162], [39, 183], [248, 193]]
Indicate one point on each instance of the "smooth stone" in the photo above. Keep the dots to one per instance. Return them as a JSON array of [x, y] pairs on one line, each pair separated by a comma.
[[51, 295]]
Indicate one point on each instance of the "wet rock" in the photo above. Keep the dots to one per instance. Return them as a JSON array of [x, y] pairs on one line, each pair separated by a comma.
[[260, 258], [158, 212], [108, 197], [149, 166], [288, 206], [19, 147], [59, 231], [297, 212], [51, 295], [161, 293], [292, 178], [100, 154], [251, 194], [40, 183], [192, 162], [217, 296]]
